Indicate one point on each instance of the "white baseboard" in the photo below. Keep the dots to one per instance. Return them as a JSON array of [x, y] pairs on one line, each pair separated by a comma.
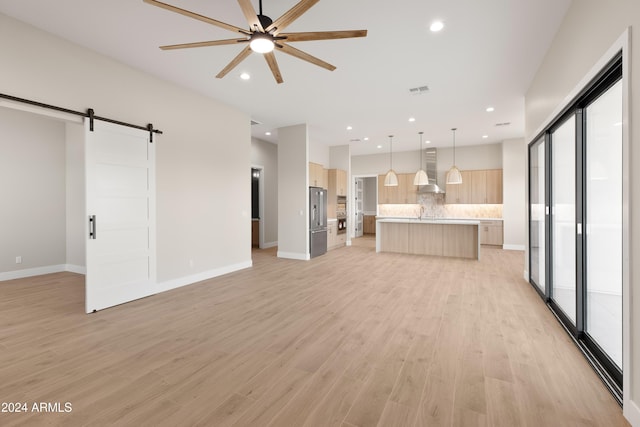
[[199, 277], [513, 247], [269, 245], [631, 412], [294, 255], [79, 269], [30, 272], [526, 276]]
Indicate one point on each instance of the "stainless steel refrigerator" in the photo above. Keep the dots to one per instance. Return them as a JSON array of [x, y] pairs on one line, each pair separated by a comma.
[[317, 221]]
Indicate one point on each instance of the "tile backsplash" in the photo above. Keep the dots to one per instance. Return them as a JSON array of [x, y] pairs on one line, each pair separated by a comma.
[[433, 206]]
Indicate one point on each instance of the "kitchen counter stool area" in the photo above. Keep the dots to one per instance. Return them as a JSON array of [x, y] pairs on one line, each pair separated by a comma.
[[449, 238]]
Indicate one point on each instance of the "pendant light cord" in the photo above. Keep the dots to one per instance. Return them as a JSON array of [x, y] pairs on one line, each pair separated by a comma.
[[454, 145], [390, 152], [420, 148], [260, 7]]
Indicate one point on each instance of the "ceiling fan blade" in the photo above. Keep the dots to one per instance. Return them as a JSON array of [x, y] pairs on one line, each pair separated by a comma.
[[251, 15], [290, 16], [203, 44], [305, 56], [235, 61], [273, 64], [322, 35], [197, 16]]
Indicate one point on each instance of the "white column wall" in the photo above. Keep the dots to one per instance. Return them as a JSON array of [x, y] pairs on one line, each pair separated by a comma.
[[293, 192]]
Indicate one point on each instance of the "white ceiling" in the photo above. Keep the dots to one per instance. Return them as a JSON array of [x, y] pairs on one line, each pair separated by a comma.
[[486, 55]]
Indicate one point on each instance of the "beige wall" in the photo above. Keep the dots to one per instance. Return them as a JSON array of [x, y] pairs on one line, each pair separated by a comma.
[[589, 29], [514, 195], [32, 190], [203, 185], [75, 188]]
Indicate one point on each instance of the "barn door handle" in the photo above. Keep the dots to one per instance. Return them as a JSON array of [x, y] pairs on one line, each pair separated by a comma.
[[92, 227]]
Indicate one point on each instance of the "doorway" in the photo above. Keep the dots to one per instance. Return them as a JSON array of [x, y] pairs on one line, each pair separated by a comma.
[[365, 198], [43, 222], [255, 207]]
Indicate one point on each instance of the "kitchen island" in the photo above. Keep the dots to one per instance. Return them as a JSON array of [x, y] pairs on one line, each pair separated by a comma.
[[438, 237]]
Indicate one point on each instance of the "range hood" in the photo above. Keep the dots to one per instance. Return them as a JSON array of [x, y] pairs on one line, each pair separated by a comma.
[[432, 187]]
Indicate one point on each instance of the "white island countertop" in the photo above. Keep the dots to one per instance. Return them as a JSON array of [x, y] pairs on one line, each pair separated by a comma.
[[431, 221]]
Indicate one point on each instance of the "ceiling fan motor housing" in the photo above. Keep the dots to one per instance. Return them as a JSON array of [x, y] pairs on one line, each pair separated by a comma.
[[265, 21]]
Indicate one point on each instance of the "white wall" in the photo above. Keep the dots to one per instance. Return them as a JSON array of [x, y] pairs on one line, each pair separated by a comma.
[[203, 187], [589, 29], [293, 192], [370, 196], [32, 190], [265, 154], [514, 195], [475, 157], [319, 153], [75, 194]]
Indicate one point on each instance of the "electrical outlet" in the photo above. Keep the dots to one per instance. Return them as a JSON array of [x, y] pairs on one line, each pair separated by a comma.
[[191, 263], [18, 260]]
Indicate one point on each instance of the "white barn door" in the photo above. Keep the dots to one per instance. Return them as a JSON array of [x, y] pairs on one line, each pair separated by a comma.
[[120, 198]]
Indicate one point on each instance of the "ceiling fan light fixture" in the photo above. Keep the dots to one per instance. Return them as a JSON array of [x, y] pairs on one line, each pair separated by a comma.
[[261, 43]]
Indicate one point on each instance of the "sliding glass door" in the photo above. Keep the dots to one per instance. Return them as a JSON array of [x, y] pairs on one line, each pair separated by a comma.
[[537, 215], [604, 222], [576, 221], [563, 216]]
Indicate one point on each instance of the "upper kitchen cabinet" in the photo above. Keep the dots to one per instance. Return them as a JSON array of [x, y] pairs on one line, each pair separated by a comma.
[[336, 186], [478, 187], [317, 175], [494, 186], [338, 181], [460, 193], [408, 193], [404, 193]]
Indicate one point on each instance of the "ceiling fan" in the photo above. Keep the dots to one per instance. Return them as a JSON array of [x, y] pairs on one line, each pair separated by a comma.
[[263, 36]]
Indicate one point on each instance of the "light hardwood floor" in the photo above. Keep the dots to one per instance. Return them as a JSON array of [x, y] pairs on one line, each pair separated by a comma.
[[352, 338]]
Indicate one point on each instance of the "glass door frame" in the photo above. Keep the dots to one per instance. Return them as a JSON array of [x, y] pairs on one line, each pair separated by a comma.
[[608, 371]]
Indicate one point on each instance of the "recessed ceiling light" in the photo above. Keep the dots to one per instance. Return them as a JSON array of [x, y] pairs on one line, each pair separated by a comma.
[[366, 138], [485, 136], [412, 119], [427, 142], [436, 26], [267, 133], [490, 109], [349, 127], [379, 146], [245, 76]]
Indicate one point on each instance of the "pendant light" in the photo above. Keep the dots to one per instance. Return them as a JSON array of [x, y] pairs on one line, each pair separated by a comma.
[[391, 179], [454, 176], [421, 177]]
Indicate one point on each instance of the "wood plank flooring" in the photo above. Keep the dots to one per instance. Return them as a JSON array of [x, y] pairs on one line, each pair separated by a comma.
[[352, 338]]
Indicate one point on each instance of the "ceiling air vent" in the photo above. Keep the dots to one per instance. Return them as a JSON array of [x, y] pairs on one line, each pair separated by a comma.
[[354, 140], [253, 122], [503, 124], [419, 90]]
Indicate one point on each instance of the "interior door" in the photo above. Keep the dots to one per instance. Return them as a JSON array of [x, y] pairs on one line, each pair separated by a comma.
[[120, 200], [359, 214]]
